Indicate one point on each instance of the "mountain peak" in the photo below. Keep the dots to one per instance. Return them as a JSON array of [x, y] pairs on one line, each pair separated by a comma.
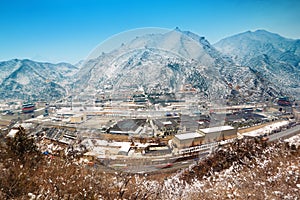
[[190, 34], [177, 29], [267, 33], [261, 31]]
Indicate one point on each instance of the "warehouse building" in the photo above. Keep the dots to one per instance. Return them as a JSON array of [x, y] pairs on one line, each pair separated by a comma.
[[186, 140], [296, 113], [218, 133]]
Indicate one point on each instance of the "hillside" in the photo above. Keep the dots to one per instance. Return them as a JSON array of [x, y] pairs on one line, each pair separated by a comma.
[[269, 55], [245, 46], [167, 62], [251, 66], [27, 79], [243, 170]]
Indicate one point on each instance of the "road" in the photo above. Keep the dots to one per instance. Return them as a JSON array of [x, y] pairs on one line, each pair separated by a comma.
[[284, 134], [154, 165]]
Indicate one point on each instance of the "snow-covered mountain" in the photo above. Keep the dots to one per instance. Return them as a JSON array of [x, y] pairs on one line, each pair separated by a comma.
[[271, 56], [245, 67], [245, 46], [170, 61], [167, 62], [155, 60], [27, 79]]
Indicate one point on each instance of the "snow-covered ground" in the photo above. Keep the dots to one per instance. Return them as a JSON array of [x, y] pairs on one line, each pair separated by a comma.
[[295, 140], [266, 130]]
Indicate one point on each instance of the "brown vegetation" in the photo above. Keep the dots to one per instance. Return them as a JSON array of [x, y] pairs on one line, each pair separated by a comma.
[[243, 170]]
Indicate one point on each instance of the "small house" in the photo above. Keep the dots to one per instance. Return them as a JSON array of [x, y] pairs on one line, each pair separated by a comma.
[[79, 118]]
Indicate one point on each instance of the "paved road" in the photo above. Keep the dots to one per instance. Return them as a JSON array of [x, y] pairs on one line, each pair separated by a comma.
[[284, 134], [155, 165]]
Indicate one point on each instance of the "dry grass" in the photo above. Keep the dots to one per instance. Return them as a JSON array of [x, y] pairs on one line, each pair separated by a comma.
[[243, 170]]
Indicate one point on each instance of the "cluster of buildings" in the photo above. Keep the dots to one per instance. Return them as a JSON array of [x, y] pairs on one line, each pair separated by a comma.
[[204, 136], [140, 129]]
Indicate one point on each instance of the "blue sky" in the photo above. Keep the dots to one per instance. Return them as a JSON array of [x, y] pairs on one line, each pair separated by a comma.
[[68, 30]]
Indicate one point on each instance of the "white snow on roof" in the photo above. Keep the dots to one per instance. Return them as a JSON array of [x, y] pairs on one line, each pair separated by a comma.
[[101, 146], [216, 129], [125, 147], [186, 136], [24, 125], [78, 115], [167, 123]]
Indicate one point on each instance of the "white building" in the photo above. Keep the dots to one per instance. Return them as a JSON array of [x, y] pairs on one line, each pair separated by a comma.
[[219, 133], [186, 140]]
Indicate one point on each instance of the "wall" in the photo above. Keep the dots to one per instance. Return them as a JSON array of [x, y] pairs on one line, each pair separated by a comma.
[[180, 144]]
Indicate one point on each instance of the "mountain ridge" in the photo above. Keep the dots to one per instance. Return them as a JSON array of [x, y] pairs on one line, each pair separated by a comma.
[[189, 55], [276, 57], [244, 46], [27, 79], [257, 63]]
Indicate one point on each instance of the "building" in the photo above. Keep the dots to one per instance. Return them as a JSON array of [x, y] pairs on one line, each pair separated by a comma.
[[218, 133], [41, 104], [79, 118], [28, 107], [12, 133], [129, 127], [125, 148], [193, 123], [167, 126], [296, 113], [284, 101], [186, 140]]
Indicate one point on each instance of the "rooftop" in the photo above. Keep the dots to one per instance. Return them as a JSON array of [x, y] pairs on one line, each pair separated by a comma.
[[78, 115], [167, 123], [186, 136], [216, 129], [128, 125]]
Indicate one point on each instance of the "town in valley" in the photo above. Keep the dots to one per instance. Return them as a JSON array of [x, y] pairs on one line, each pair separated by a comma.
[[139, 132]]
